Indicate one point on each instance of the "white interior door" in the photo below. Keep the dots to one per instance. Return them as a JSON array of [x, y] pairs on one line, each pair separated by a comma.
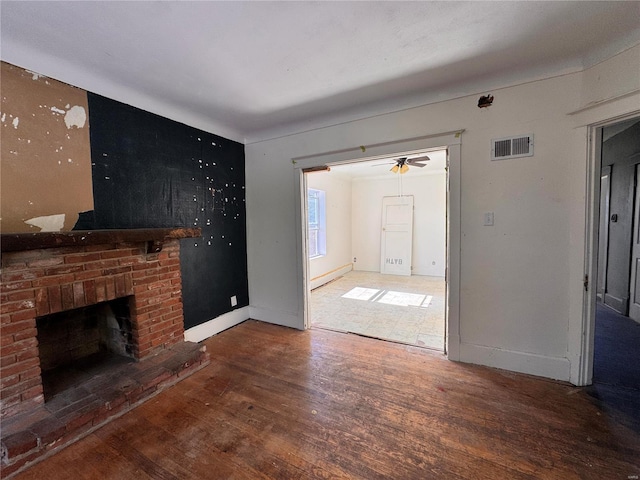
[[634, 296], [397, 235]]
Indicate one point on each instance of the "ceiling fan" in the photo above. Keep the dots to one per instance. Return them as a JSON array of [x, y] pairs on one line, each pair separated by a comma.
[[402, 164]]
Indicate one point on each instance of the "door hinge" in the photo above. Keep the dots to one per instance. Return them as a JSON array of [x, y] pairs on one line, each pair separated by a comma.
[[586, 283]]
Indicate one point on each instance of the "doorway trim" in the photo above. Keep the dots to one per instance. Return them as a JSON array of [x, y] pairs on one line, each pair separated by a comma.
[[449, 141], [592, 230], [603, 247]]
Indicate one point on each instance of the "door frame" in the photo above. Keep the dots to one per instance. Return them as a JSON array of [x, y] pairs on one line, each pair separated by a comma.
[[633, 311], [449, 141], [603, 240], [584, 374]]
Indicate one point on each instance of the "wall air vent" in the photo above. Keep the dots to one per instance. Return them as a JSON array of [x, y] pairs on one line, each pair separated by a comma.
[[512, 147]]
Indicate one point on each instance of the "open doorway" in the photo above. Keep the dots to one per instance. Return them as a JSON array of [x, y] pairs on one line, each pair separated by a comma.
[[617, 314], [377, 234]]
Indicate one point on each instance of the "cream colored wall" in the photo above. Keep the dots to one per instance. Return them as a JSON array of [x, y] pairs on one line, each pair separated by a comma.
[[521, 280], [353, 223], [602, 82], [429, 229], [338, 224]]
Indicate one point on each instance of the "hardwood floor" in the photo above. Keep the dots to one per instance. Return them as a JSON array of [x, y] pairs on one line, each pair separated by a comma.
[[277, 403]]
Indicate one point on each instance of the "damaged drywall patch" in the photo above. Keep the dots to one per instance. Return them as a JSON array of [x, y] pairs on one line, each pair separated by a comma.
[[35, 76], [33, 184], [48, 223], [76, 116]]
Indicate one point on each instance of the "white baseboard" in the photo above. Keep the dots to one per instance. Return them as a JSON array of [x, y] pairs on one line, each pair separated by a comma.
[[428, 272], [620, 305], [329, 276], [557, 368], [277, 318], [216, 325]]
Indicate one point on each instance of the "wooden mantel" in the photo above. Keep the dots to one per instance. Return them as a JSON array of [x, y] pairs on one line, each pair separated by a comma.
[[16, 242]]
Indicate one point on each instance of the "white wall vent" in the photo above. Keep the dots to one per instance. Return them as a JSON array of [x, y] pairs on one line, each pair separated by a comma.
[[512, 147]]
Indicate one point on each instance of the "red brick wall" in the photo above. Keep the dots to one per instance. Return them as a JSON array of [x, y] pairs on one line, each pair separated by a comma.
[[40, 282]]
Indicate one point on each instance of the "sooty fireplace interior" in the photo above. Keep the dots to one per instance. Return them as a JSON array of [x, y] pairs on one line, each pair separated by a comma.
[[78, 344]]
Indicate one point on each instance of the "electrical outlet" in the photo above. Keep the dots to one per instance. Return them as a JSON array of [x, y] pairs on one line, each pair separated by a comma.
[[354, 259], [234, 301], [488, 219]]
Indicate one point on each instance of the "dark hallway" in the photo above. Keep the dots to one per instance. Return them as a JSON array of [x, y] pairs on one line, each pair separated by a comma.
[[616, 367], [617, 350]]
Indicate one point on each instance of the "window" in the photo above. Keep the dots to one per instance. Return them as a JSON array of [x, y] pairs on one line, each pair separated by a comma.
[[317, 223]]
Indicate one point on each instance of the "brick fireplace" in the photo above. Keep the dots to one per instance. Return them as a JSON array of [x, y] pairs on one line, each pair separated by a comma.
[[45, 274]]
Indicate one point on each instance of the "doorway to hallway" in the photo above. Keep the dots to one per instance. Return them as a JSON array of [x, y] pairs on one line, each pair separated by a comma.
[[617, 313]]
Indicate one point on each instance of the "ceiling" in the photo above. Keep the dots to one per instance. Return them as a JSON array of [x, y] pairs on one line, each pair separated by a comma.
[[257, 70]]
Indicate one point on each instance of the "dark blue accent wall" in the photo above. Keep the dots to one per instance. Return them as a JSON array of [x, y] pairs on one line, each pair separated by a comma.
[[149, 171]]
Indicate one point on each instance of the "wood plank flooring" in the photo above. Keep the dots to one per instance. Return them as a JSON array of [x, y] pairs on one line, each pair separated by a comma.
[[277, 403]]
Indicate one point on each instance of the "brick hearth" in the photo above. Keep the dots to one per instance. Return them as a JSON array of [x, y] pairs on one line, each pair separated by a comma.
[[78, 411], [44, 274]]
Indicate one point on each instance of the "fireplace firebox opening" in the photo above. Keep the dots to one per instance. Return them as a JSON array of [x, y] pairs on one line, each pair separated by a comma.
[[75, 345]]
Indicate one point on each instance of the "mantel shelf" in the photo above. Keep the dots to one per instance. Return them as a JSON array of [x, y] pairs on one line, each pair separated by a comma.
[[16, 242]]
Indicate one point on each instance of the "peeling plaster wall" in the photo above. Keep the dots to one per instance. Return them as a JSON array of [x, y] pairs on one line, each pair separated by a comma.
[[45, 158]]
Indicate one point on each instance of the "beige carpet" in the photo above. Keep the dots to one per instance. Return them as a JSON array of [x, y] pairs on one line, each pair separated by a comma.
[[401, 309]]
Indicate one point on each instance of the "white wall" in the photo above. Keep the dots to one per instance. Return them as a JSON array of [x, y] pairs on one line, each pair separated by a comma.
[[429, 234], [520, 280], [610, 79], [353, 210], [337, 260]]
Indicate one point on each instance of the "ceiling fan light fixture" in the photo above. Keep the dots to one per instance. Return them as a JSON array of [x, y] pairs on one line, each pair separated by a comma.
[[404, 168], [395, 169]]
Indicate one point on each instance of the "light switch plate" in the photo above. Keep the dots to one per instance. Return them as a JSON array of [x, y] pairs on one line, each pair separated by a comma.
[[488, 219]]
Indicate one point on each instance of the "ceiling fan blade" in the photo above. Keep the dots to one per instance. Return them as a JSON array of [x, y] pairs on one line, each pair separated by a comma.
[[402, 164], [385, 163], [417, 162]]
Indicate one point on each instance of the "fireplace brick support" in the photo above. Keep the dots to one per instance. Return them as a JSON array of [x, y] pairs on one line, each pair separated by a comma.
[[44, 281]]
